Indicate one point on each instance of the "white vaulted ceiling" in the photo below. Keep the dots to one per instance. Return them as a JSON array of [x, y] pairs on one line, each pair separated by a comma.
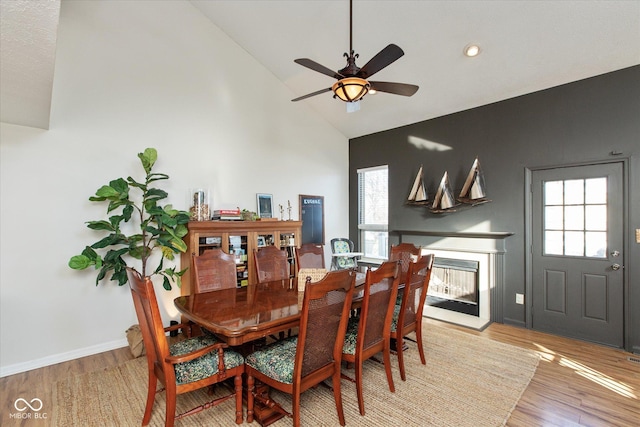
[[526, 46], [27, 58]]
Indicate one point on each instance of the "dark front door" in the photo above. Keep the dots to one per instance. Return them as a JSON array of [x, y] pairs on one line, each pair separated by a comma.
[[577, 237]]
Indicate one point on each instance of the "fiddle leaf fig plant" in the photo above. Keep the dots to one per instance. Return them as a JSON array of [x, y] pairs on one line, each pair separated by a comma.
[[161, 228]]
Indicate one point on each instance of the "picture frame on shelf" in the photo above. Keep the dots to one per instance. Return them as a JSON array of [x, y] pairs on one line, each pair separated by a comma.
[[265, 205], [261, 242]]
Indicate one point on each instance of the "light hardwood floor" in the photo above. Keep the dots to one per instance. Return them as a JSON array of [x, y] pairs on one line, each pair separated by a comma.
[[576, 383]]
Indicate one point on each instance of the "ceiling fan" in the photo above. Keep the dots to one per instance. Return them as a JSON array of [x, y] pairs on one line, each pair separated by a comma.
[[353, 83]]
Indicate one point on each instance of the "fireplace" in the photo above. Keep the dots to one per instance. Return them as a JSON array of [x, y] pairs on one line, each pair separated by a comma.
[[455, 285], [468, 276]]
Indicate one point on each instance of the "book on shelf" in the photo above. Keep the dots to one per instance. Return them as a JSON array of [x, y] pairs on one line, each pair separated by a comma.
[[226, 218], [226, 215], [224, 212]]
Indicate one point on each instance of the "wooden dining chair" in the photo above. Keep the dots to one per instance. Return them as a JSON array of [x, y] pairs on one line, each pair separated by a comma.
[[310, 255], [295, 364], [368, 332], [271, 264], [405, 253], [184, 366], [214, 270], [407, 316]]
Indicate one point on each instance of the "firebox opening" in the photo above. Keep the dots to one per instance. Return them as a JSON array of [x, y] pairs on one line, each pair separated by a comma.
[[455, 285]]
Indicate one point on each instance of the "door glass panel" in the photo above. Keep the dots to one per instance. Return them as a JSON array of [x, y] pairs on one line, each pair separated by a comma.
[[553, 243], [596, 244], [575, 217], [574, 243], [596, 190], [553, 218], [553, 192], [596, 218], [574, 192]]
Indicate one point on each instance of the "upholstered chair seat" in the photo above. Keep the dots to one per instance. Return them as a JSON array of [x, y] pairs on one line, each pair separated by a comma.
[[276, 360], [202, 367], [351, 336]]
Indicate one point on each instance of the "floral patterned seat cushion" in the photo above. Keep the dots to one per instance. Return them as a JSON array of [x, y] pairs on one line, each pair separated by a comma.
[[204, 366], [351, 336], [394, 320], [276, 360]]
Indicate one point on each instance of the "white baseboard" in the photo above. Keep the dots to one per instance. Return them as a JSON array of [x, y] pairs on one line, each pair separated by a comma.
[[61, 357]]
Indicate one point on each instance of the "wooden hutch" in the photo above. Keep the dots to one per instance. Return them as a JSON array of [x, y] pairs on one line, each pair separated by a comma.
[[239, 238]]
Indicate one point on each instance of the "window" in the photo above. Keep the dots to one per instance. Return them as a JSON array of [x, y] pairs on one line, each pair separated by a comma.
[[373, 212], [575, 217]]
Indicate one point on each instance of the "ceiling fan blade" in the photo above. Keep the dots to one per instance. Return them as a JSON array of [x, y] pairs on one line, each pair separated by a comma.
[[386, 56], [403, 89], [306, 62], [309, 95]]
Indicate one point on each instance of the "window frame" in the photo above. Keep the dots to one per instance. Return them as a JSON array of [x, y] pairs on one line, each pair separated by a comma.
[[364, 227]]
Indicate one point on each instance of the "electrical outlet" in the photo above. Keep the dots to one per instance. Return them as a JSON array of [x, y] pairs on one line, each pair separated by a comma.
[[519, 298], [637, 235]]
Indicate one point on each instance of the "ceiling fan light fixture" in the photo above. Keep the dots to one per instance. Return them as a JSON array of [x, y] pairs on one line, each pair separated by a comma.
[[351, 89]]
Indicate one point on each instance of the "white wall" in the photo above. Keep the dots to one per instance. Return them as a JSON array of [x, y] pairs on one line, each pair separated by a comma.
[[131, 75]]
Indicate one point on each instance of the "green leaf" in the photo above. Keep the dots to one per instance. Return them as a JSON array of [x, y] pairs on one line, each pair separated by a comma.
[[127, 212], [152, 230], [157, 177], [159, 268], [100, 225], [90, 253], [137, 252], [180, 231], [166, 284], [79, 262], [120, 277], [111, 239], [106, 192], [121, 187], [179, 244], [148, 159], [134, 183], [155, 194]]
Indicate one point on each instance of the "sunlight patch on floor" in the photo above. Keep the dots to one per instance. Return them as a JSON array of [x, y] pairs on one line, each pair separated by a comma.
[[587, 372]]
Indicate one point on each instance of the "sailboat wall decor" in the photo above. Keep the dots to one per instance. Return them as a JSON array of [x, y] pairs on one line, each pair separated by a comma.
[[418, 194], [473, 191], [443, 200]]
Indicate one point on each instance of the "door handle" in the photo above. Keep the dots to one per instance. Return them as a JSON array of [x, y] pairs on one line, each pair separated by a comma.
[[615, 267]]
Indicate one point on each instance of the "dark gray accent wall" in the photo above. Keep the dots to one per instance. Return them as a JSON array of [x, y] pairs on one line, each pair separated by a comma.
[[577, 123]]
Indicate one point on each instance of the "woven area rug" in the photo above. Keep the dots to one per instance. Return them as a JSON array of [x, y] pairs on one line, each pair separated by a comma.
[[468, 381]]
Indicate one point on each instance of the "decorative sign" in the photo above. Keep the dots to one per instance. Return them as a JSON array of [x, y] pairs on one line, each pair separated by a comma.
[[312, 217]]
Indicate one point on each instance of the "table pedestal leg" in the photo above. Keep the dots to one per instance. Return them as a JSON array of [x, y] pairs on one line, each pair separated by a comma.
[[266, 411]]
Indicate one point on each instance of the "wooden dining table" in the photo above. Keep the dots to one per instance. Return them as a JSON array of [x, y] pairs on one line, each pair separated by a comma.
[[242, 315]]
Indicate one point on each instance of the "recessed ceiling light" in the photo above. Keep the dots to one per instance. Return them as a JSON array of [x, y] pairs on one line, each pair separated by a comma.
[[471, 50]]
